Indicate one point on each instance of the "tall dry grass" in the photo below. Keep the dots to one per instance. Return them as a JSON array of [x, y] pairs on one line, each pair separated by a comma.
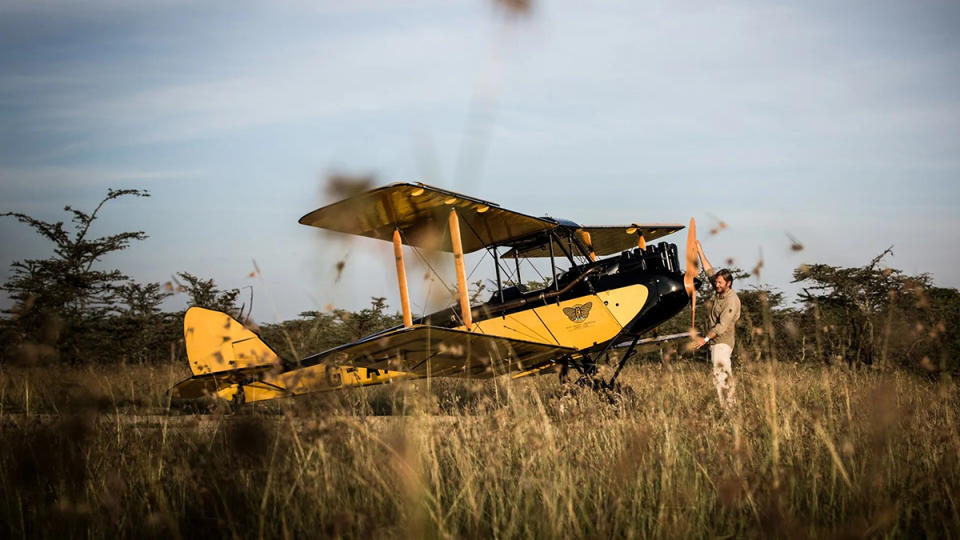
[[807, 451]]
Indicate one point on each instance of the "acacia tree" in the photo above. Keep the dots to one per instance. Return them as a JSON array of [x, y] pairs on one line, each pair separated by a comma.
[[57, 300], [870, 314], [205, 293], [140, 300]]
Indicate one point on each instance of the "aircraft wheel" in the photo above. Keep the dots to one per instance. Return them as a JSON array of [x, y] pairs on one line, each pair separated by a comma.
[[587, 381], [238, 399]]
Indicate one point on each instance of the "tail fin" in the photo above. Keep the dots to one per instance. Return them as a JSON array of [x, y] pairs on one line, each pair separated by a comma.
[[223, 355], [218, 342]]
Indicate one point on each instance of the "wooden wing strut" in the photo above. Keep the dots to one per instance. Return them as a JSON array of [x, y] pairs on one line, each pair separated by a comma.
[[402, 280], [461, 271]]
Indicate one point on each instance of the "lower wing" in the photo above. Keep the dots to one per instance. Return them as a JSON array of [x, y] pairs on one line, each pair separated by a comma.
[[441, 352]]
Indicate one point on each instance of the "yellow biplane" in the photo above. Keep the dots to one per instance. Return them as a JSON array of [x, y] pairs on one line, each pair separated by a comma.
[[616, 290]]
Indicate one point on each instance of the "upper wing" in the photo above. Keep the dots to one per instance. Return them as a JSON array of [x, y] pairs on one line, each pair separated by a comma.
[[441, 352], [605, 239], [421, 213]]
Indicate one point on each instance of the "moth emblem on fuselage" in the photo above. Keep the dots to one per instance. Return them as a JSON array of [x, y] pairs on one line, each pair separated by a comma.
[[578, 313]]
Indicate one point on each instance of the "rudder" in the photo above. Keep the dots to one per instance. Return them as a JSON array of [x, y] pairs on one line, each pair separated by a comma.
[[217, 342]]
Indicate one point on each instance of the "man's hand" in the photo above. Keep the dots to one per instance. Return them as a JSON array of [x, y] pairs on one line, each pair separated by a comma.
[[701, 342]]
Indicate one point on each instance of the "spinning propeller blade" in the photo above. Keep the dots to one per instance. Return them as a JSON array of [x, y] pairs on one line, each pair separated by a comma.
[[691, 271]]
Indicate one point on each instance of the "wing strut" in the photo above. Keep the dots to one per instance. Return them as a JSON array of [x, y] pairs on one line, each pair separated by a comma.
[[461, 272], [585, 237], [496, 265], [402, 279]]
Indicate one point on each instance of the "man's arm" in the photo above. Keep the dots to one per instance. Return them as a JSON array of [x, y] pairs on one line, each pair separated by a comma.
[[714, 332], [702, 340], [704, 262], [708, 268]]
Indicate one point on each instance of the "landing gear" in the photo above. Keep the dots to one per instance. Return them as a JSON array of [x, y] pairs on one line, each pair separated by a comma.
[[611, 393], [587, 368]]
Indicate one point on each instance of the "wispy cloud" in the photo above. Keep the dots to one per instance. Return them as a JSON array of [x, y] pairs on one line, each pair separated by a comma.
[[45, 177], [187, 91]]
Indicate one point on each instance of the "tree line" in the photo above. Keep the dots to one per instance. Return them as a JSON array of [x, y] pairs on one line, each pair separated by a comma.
[[66, 308]]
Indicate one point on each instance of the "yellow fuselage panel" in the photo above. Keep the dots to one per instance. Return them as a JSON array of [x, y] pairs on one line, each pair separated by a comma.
[[580, 323], [322, 377], [625, 303], [525, 325]]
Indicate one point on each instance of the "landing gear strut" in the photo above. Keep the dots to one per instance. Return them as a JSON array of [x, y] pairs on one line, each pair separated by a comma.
[[609, 390], [587, 368]]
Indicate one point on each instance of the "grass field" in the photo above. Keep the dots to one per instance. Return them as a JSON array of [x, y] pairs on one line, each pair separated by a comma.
[[807, 451]]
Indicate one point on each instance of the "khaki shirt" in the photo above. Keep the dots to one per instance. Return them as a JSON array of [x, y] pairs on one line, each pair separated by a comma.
[[724, 315]]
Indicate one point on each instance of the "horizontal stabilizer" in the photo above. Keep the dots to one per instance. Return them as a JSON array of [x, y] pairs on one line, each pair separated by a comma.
[[210, 384]]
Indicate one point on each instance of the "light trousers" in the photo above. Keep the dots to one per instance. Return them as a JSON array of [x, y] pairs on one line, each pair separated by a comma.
[[723, 373]]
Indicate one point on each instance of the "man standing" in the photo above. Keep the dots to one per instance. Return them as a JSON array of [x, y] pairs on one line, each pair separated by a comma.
[[723, 320]]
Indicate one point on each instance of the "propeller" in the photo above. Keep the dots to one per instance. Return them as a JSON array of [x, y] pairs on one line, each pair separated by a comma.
[[691, 273]]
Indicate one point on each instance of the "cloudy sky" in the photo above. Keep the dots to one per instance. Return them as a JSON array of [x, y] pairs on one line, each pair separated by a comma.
[[838, 123]]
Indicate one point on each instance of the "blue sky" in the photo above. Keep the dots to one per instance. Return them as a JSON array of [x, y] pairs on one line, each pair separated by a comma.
[[838, 124]]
